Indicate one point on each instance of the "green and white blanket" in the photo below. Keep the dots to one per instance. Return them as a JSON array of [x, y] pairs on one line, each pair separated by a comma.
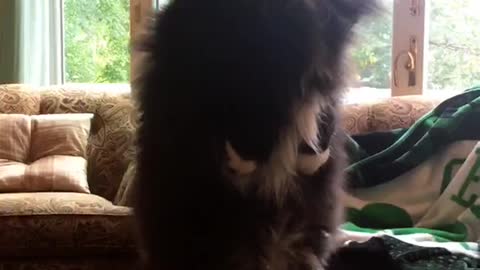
[[421, 185]]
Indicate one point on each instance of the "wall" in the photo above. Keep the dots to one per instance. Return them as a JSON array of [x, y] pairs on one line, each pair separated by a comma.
[[9, 41]]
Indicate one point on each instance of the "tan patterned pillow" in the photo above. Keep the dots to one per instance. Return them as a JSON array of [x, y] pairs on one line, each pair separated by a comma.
[[44, 152]]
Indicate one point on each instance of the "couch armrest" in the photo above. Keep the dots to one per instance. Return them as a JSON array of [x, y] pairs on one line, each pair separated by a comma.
[[386, 114]]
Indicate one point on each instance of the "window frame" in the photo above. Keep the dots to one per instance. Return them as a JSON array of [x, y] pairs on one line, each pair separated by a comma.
[[410, 19], [140, 10], [410, 39], [406, 24]]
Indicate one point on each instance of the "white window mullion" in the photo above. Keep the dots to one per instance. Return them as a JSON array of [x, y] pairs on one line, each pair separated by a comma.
[[410, 40]]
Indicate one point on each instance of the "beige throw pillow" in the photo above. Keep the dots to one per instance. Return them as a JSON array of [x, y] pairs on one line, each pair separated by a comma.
[[44, 152]]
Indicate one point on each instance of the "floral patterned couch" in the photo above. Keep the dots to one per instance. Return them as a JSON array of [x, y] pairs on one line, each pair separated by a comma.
[[88, 231], [73, 230]]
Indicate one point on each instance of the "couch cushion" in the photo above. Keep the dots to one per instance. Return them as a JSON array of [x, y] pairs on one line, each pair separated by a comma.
[[44, 152], [63, 224], [113, 128], [20, 99], [15, 137], [57, 203], [61, 134]]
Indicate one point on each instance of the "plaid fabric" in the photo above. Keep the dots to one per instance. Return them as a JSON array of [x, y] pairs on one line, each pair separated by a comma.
[[44, 152], [383, 156], [15, 138], [60, 134], [421, 184]]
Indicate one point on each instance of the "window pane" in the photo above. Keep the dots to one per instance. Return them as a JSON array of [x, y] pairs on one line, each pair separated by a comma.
[[454, 45], [373, 54], [97, 41]]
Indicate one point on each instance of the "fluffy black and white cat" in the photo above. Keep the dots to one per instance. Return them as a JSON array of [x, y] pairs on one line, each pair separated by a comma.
[[240, 154]]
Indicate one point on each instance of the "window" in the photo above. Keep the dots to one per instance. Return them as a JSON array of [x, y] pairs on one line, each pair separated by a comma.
[[97, 38], [96, 41], [414, 47], [435, 49], [454, 45], [373, 56]]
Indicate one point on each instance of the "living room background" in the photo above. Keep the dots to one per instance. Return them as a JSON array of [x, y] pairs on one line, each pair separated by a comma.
[[414, 47]]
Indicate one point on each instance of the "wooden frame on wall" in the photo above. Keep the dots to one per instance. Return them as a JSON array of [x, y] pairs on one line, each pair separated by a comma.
[[139, 12]]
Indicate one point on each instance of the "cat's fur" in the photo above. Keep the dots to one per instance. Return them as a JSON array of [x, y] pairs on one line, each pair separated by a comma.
[[240, 162]]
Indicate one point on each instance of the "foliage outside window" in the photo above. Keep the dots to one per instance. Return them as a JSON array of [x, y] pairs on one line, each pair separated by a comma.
[[97, 44], [453, 54], [454, 46], [96, 38]]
